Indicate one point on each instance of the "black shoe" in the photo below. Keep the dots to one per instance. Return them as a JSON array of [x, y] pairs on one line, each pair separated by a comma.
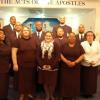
[[31, 98], [66, 98], [87, 96], [5, 99]]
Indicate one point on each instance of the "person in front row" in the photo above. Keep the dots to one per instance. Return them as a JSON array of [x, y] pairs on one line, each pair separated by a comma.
[[48, 57], [24, 58], [90, 64], [71, 55], [5, 52]]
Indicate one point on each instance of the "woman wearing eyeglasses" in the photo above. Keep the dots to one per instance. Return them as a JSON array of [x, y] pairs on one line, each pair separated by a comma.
[[90, 64]]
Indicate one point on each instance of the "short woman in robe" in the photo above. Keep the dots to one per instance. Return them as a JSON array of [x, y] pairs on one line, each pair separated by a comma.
[[48, 57], [71, 55]]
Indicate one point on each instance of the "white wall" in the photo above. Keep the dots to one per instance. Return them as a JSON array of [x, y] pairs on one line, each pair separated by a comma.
[[88, 20], [91, 19], [97, 24]]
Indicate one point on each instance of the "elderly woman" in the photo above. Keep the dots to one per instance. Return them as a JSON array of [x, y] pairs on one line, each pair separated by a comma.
[[48, 57], [90, 64], [24, 57], [5, 52], [71, 55]]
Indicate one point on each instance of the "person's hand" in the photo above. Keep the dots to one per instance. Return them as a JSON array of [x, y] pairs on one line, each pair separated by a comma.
[[68, 63], [46, 67], [15, 67], [71, 64]]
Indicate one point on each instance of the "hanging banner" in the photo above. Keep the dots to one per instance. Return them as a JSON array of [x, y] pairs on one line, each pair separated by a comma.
[[47, 2]]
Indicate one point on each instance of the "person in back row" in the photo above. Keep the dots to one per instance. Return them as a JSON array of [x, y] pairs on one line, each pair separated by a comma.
[[81, 33], [11, 39], [60, 40], [8, 30], [67, 29], [39, 36], [39, 33]]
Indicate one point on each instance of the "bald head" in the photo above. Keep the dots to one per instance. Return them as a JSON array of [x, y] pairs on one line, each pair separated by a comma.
[[62, 19]]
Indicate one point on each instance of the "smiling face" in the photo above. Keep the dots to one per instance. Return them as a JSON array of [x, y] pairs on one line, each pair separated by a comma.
[[60, 32], [2, 35], [38, 26], [71, 38], [13, 20], [26, 32], [18, 26], [62, 19], [48, 37]]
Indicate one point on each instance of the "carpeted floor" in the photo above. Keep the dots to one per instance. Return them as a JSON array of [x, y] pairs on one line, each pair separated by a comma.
[[13, 95]]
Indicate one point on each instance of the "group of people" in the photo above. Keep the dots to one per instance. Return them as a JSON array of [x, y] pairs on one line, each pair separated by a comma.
[[57, 59]]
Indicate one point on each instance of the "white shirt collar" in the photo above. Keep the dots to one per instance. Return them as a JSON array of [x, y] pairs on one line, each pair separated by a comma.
[[62, 24], [40, 33], [12, 27], [80, 35]]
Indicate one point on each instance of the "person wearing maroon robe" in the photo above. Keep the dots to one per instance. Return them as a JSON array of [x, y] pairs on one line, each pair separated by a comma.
[[5, 51], [24, 58], [11, 39], [9, 30], [39, 34], [80, 37], [71, 55], [60, 40], [48, 58]]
